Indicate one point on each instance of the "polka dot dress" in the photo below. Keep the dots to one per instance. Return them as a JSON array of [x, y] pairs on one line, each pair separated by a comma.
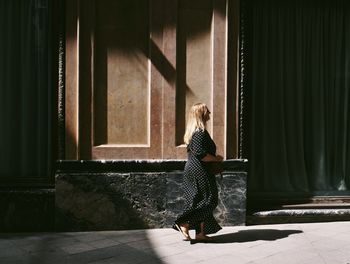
[[200, 189]]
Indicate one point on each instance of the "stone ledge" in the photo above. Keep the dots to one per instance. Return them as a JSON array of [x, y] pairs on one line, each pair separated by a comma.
[[298, 216], [303, 212], [136, 165]]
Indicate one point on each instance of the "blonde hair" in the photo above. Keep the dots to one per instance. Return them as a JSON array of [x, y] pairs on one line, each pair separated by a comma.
[[195, 120]]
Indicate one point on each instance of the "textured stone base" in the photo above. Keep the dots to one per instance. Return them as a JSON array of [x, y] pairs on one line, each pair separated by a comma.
[[27, 210], [116, 201]]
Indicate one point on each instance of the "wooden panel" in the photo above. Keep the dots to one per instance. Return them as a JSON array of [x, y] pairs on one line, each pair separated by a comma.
[[134, 68], [122, 79], [199, 63], [127, 84], [195, 64], [202, 68]]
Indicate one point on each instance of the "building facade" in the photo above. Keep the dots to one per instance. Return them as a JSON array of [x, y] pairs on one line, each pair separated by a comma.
[[98, 110]]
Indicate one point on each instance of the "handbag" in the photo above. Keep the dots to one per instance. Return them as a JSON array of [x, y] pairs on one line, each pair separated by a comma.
[[213, 167]]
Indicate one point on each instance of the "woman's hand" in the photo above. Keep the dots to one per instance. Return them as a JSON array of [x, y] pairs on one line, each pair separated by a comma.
[[219, 158]]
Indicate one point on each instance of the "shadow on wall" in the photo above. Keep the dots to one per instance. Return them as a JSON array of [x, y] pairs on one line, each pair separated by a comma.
[[109, 201]]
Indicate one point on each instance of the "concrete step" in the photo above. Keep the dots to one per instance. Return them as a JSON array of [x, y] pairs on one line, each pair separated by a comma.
[[293, 215]]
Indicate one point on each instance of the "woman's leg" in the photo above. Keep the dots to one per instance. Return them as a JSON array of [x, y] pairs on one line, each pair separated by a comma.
[[184, 229], [200, 233], [199, 228]]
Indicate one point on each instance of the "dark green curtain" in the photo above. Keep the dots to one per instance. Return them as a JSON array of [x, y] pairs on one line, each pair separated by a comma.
[[25, 95], [297, 83]]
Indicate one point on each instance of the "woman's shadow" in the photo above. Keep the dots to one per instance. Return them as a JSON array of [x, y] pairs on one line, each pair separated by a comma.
[[251, 235]]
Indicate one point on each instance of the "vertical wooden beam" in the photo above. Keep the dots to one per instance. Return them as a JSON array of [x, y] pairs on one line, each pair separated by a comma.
[[169, 87], [232, 119], [219, 74], [72, 81], [156, 82], [85, 73]]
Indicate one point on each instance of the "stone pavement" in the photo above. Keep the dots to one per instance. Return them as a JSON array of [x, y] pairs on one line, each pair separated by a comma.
[[319, 243]]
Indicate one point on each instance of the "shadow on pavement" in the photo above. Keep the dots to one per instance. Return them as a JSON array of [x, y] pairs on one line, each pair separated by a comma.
[[252, 235], [100, 247]]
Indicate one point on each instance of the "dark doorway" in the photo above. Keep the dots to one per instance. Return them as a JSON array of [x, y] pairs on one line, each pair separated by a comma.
[[296, 108], [27, 93]]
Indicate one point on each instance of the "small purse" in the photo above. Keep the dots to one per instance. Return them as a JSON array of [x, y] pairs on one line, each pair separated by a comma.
[[213, 167]]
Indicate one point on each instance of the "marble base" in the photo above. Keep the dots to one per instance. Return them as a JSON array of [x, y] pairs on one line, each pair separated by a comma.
[[116, 201]]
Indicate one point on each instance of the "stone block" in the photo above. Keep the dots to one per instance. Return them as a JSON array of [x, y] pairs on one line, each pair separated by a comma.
[[117, 201]]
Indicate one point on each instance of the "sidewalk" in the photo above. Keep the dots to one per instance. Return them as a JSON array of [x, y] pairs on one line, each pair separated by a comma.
[[315, 243]]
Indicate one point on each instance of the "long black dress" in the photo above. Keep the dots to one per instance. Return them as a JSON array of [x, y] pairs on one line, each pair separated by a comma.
[[200, 189]]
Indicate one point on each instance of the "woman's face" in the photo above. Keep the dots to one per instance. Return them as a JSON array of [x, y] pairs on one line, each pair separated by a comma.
[[206, 116]]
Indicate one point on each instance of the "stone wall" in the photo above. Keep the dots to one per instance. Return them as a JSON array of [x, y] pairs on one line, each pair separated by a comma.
[[107, 200]]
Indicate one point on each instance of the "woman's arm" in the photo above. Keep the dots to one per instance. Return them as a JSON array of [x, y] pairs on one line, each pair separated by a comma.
[[212, 158]]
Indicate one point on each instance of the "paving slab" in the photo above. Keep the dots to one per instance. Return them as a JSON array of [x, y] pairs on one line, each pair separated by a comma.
[[309, 243]]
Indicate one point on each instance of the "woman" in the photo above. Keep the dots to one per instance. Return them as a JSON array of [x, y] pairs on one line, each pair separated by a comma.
[[200, 189]]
